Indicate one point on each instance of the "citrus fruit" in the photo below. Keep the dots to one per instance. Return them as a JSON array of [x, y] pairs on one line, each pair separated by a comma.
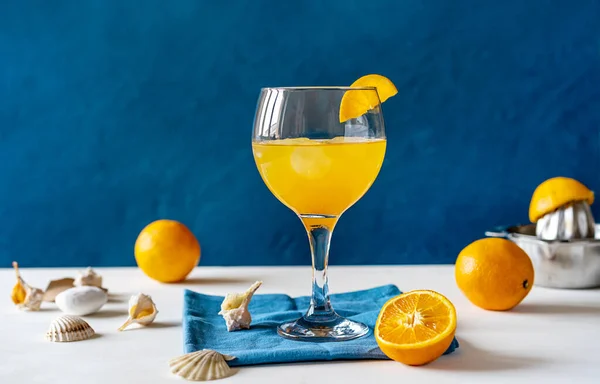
[[416, 327], [556, 192], [357, 102], [167, 251], [494, 273]]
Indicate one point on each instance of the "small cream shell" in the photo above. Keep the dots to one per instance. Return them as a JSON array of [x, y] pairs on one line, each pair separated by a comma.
[[202, 365], [33, 298], [142, 310], [69, 328], [89, 277], [234, 309]]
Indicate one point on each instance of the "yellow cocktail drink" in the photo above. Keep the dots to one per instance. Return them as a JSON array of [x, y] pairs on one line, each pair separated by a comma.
[[320, 178]]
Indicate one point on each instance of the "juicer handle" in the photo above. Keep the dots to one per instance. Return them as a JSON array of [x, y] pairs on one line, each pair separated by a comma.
[[500, 231]]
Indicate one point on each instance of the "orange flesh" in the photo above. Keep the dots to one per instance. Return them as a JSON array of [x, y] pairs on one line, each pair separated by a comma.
[[414, 319]]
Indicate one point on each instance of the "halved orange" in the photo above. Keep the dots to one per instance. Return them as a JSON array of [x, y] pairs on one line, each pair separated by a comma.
[[357, 102], [556, 192], [416, 327]]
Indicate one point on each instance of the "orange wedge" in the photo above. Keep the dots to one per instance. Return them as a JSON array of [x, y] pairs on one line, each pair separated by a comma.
[[416, 328], [357, 102]]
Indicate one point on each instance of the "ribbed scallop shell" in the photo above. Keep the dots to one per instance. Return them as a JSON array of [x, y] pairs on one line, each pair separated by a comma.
[[572, 221], [202, 365], [69, 328]]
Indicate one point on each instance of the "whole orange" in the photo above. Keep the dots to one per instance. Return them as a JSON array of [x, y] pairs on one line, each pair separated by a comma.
[[494, 273], [167, 251]]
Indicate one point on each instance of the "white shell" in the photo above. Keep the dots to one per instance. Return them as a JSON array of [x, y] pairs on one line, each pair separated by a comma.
[[69, 328], [572, 221], [81, 301], [89, 277], [142, 310], [202, 365], [33, 298], [234, 308]]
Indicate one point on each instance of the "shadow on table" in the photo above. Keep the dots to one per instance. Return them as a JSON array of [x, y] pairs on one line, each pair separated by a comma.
[[470, 358], [46, 309], [556, 309], [165, 324], [108, 313], [118, 297], [217, 280], [157, 324]]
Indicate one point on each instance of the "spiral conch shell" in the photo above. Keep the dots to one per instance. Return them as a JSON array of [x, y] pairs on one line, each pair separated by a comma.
[[69, 328], [25, 296], [89, 277], [142, 310], [234, 308], [202, 365]]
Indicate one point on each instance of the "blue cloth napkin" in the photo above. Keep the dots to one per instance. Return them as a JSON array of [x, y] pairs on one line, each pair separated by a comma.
[[203, 328]]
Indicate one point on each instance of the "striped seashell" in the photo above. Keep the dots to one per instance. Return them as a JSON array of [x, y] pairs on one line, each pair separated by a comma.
[[202, 365], [69, 328]]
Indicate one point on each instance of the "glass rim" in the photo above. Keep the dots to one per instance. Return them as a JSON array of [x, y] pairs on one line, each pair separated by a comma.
[[320, 88]]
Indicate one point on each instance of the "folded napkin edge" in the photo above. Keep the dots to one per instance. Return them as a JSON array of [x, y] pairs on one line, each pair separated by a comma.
[[189, 291]]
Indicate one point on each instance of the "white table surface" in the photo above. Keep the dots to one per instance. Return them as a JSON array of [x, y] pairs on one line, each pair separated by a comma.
[[553, 336]]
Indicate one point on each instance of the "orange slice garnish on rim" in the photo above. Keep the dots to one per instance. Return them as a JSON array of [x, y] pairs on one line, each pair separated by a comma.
[[357, 102]]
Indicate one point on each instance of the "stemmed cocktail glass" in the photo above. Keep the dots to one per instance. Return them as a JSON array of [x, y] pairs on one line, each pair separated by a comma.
[[319, 164]]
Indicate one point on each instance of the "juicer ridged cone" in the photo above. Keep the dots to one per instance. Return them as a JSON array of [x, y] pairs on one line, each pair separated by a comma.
[[571, 221]]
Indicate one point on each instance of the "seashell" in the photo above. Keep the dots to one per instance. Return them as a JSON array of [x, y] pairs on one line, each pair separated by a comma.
[[69, 328], [25, 296], [57, 286], [88, 278], [571, 221], [142, 310], [234, 308], [202, 365], [81, 301]]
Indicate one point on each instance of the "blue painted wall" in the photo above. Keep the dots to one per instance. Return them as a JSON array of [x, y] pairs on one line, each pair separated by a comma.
[[114, 113]]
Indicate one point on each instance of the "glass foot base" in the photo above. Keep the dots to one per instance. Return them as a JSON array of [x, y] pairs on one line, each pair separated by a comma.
[[336, 328]]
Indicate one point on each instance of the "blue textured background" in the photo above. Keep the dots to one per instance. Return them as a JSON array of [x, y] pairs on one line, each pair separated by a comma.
[[115, 113]]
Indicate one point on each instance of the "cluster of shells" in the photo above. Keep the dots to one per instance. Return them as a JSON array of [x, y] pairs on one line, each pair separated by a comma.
[[80, 296], [85, 295]]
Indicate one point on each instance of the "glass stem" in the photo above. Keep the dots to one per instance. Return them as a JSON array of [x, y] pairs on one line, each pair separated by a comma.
[[320, 309]]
